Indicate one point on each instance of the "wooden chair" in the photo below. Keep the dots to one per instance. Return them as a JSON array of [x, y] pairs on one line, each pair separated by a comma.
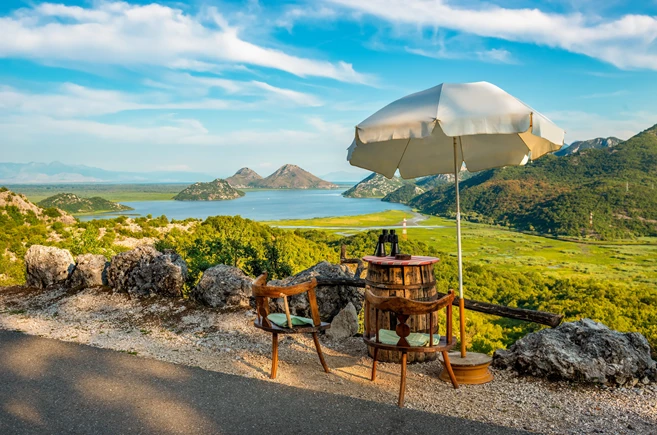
[[403, 308], [262, 293]]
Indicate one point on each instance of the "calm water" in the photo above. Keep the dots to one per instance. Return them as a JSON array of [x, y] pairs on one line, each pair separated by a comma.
[[262, 205]]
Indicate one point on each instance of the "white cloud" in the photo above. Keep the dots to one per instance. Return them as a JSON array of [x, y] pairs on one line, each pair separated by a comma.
[[22, 129], [626, 42], [581, 125], [70, 100], [118, 33], [495, 55]]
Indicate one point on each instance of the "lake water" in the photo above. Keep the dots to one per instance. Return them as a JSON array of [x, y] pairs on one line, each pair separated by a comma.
[[261, 205]]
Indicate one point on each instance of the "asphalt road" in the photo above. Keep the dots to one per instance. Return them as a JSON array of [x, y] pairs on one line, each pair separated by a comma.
[[47, 386]]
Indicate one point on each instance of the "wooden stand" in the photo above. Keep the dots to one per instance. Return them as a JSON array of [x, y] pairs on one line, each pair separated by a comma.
[[412, 279], [471, 370]]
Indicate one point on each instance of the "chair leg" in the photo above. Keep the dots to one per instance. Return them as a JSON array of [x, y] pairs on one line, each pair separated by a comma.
[[274, 355], [448, 367], [319, 352], [402, 386], [376, 354]]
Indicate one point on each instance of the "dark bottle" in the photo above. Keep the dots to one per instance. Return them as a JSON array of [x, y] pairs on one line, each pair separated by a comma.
[[394, 243], [381, 246]]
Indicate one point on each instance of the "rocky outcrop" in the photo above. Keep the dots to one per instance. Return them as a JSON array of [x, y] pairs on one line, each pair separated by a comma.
[[47, 265], [217, 190], [144, 271], [223, 286], [331, 300], [90, 271], [345, 324], [582, 351]]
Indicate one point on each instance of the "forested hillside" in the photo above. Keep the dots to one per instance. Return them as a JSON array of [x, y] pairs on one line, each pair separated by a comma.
[[558, 195]]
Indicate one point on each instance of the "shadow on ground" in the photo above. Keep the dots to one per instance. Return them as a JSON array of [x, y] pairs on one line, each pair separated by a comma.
[[49, 386]]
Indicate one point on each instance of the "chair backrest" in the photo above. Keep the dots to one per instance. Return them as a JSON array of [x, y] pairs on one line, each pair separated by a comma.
[[263, 292], [403, 308]]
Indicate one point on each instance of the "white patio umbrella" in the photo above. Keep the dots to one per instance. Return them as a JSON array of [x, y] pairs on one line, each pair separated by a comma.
[[435, 131]]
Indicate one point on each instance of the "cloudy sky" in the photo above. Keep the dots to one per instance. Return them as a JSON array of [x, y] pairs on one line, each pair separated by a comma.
[[211, 86]]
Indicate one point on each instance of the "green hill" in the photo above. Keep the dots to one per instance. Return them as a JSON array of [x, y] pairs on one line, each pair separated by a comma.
[[375, 186], [217, 190], [74, 204], [557, 195], [404, 194]]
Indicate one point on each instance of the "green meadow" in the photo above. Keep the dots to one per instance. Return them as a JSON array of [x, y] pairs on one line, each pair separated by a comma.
[[111, 192], [511, 250]]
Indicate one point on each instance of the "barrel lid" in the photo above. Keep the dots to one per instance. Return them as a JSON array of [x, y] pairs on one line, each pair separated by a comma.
[[391, 261]]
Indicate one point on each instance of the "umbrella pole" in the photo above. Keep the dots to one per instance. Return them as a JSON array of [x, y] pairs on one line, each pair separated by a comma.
[[459, 253]]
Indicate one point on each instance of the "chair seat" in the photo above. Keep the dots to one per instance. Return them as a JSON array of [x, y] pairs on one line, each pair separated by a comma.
[[303, 329], [415, 339], [438, 346]]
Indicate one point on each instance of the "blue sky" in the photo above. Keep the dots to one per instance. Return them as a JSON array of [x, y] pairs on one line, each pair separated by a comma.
[[211, 86]]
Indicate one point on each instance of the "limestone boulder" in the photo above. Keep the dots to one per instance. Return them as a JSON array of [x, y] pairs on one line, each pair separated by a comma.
[[345, 324], [144, 271], [223, 286], [90, 271], [582, 351], [47, 265], [330, 299]]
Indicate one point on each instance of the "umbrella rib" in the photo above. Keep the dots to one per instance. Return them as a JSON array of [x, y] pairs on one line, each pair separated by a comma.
[[402, 156]]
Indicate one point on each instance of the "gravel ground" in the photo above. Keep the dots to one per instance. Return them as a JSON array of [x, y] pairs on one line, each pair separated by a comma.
[[181, 332]]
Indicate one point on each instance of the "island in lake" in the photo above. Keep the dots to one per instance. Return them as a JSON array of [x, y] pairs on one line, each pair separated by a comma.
[[217, 190], [74, 204], [286, 177]]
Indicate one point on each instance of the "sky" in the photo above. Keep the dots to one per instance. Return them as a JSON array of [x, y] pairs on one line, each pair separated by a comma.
[[212, 86]]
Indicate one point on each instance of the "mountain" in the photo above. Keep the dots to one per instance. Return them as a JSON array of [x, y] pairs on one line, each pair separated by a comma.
[[293, 177], [57, 172], [244, 178], [217, 190], [20, 204], [558, 195], [375, 186], [596, 143], [404, 194], [71, 203]]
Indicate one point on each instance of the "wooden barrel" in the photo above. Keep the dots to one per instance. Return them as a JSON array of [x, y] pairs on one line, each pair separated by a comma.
[[412, 279]]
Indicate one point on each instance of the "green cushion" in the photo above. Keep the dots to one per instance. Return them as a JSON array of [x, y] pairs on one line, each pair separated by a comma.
[[280, 319], [415, 339]]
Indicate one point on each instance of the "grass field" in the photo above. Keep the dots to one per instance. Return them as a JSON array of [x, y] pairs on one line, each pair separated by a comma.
[[485, 244], [112, 192]]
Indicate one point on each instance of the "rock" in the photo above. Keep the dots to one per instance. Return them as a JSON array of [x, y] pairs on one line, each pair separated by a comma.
[[90, 271], [330, 299], [582, 351], [47, 265], [144, 271], [223, 286], [345, 324]]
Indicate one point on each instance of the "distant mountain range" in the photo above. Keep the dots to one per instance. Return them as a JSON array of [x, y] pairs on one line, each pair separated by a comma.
[[286, 177], [57, 172], [580, 145]]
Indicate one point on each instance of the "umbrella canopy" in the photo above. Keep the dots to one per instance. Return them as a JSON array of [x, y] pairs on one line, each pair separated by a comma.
[[437, 130], [415, 134]]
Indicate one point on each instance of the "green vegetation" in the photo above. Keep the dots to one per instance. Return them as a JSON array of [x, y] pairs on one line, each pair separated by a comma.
[[557, 195], [612, 283], [73, 204]]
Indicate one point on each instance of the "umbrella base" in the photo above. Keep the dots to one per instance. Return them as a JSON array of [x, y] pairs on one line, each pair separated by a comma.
[[471, 370]]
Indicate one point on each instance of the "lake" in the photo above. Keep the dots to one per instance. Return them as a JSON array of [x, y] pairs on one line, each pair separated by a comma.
[[260, 205]]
